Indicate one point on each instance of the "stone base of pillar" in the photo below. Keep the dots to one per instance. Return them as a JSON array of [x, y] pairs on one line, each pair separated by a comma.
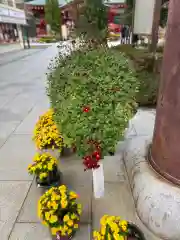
[[157, 201]]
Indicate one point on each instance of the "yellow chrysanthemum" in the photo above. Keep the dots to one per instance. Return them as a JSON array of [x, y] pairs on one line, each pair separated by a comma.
[[113, 228], [53, 219], [96, 235], [69, 231], [43, 164], [54, 205], [50, 210], [47, 216], [123, 223], [76, 226], [73, 195], [64, 203], [46, 134], [70, 223], [66, 218], [54, 231]]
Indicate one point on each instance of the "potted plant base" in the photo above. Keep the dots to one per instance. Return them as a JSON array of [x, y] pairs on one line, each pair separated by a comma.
[[111, 153], [134, 233], [111, 225], [54, 179], [58, 237], [64, 222]]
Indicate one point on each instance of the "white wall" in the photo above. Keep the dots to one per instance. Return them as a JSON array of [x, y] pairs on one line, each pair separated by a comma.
[[143, 18]]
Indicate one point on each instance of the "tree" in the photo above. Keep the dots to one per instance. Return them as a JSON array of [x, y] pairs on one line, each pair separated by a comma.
[[53, 15], [130, 11], [93, 21]]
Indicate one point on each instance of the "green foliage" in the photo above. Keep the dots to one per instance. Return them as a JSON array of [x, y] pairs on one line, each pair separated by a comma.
[[129, 11], [101, 80], [148, 91], [47, 39], [92, 22], [163, 17], [52, 15], [147, 69]]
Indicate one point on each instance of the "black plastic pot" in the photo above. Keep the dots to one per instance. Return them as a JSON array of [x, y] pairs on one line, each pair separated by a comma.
[[111, 153], [54, 179], [61, 238], [64, 237], [135, 233]]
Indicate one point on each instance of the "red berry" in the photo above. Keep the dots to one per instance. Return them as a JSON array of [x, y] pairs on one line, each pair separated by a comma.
[[98, 157], [95, 153], [86, 109], [87, 158]]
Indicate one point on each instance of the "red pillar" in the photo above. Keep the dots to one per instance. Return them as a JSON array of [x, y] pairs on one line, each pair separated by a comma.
[[165, 151]]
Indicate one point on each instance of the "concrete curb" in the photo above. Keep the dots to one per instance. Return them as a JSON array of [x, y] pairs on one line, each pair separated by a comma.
[[157, 201]]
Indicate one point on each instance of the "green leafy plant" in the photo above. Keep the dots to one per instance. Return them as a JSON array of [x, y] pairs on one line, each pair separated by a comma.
[[92, 21], [147, 68], [47, 39], [93, 96], [53, 15]]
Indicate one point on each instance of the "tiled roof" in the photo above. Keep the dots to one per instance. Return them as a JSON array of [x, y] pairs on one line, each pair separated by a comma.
[[43, 2], [64, 2], [114, 1]]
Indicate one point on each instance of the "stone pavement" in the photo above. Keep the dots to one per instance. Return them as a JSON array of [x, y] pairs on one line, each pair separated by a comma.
[[22, 100], [9, 57], [4, 48]]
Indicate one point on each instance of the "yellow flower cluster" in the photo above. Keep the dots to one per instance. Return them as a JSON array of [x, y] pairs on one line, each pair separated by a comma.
[[58, 209], [42, 165], [46, 134], [112, 228]]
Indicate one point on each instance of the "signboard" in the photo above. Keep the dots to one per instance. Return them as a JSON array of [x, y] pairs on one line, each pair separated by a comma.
[[4, 11], [10, 15], [16, 14], [143, 18]]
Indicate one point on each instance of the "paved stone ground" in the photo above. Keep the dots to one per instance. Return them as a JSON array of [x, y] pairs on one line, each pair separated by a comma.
[[4, 48], [22, 100], [9, 57]]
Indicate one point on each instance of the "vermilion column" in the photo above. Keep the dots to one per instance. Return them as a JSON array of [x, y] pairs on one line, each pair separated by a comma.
[[165, 151]]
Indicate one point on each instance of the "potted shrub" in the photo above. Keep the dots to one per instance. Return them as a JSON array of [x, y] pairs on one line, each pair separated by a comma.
[[93, 93], [45, 169], [114, 228], [46, 135], [58, 210]]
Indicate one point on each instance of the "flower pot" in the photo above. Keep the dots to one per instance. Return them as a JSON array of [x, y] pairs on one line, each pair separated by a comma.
[[111, 153], [61, 237], [57, 237], [53, 180], [134, 233]]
